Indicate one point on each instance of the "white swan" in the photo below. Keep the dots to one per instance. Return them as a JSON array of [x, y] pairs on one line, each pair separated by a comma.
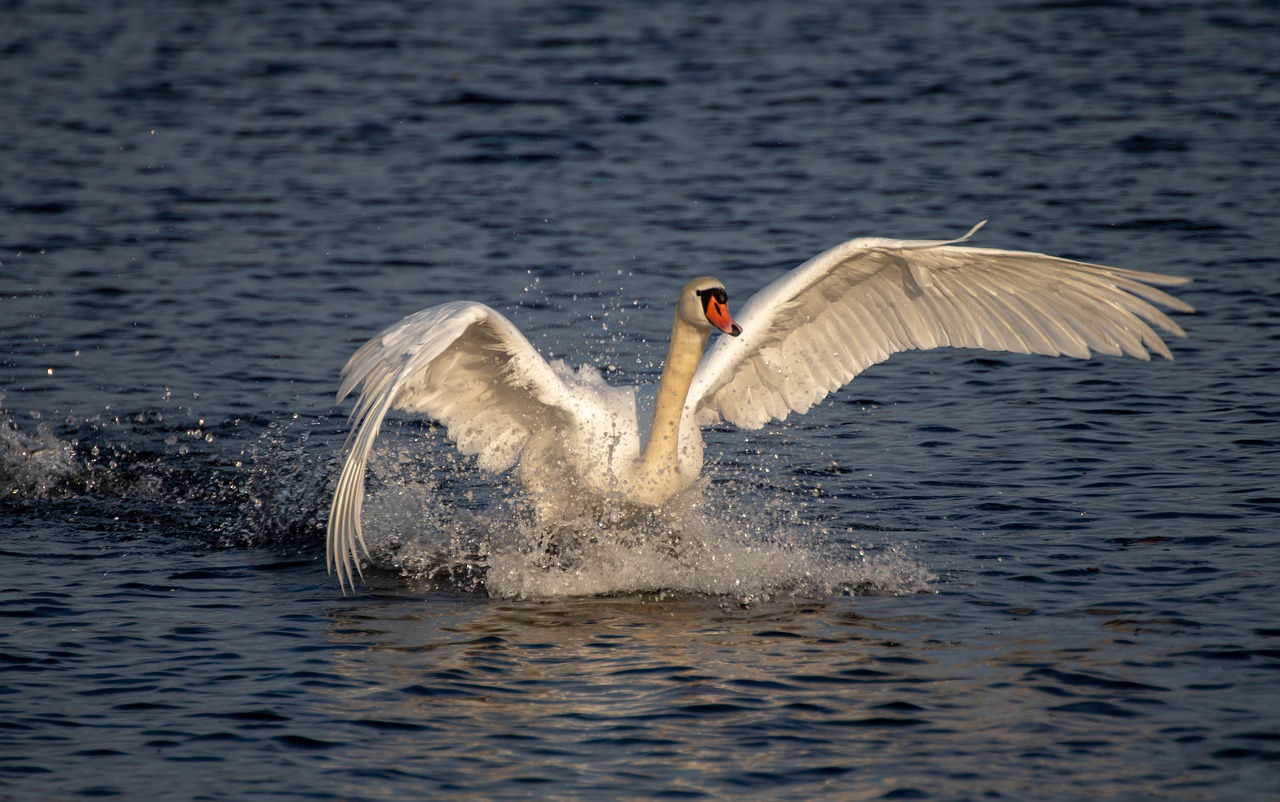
[[801, 337]]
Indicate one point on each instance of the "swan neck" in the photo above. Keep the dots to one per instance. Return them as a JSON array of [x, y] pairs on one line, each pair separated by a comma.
[[683, 355]]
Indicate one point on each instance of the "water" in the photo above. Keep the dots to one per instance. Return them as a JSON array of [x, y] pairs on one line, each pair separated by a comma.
[[966, 576]]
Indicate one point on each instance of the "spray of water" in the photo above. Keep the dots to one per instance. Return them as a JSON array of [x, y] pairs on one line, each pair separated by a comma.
[[34, 464], [448, 524]]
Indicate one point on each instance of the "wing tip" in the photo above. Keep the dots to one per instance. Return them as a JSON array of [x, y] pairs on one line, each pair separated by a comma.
[[972, 231]]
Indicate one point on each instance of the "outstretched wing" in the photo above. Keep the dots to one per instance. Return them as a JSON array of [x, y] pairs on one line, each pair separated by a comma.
[[470, 368], [811, 331]]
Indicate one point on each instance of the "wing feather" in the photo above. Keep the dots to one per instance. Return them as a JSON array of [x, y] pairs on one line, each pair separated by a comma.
[[468, 367], [815, 328]]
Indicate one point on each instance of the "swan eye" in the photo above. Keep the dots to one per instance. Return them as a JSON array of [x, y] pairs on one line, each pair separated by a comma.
[[712, 294]]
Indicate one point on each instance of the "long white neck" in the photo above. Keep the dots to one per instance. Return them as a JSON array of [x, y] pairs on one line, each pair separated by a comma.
[[661, 456]]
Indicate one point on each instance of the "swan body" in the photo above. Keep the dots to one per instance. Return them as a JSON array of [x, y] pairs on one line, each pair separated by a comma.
[[797, 340]]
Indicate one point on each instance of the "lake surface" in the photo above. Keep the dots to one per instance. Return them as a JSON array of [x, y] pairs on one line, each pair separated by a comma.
[[966, 576]]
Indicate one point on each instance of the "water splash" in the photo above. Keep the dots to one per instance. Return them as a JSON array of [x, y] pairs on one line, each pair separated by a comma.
[[171, 475], [33, 465], [710, 541]]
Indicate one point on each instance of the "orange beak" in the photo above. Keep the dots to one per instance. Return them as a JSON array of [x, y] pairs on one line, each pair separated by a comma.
[[718, 314]]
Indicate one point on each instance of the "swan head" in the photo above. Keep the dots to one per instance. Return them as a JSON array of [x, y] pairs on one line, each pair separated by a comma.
[[704, 305]]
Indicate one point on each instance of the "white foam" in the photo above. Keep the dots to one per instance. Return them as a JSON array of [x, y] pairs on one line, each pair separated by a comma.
[[709, 543]]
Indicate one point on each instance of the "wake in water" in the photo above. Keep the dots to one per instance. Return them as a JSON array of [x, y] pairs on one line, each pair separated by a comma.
[[168, 475], [431, 518]]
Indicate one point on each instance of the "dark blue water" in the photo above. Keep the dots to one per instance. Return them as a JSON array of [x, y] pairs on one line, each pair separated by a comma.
[[966, 576]]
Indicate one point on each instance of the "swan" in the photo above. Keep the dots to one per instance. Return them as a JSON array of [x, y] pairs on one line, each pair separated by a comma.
[[800, 338]]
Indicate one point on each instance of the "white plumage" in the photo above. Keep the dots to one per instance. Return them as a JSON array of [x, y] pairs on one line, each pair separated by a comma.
[[803, 336]]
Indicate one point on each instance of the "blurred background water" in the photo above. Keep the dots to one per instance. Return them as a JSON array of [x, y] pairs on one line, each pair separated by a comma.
[[965, 576]]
